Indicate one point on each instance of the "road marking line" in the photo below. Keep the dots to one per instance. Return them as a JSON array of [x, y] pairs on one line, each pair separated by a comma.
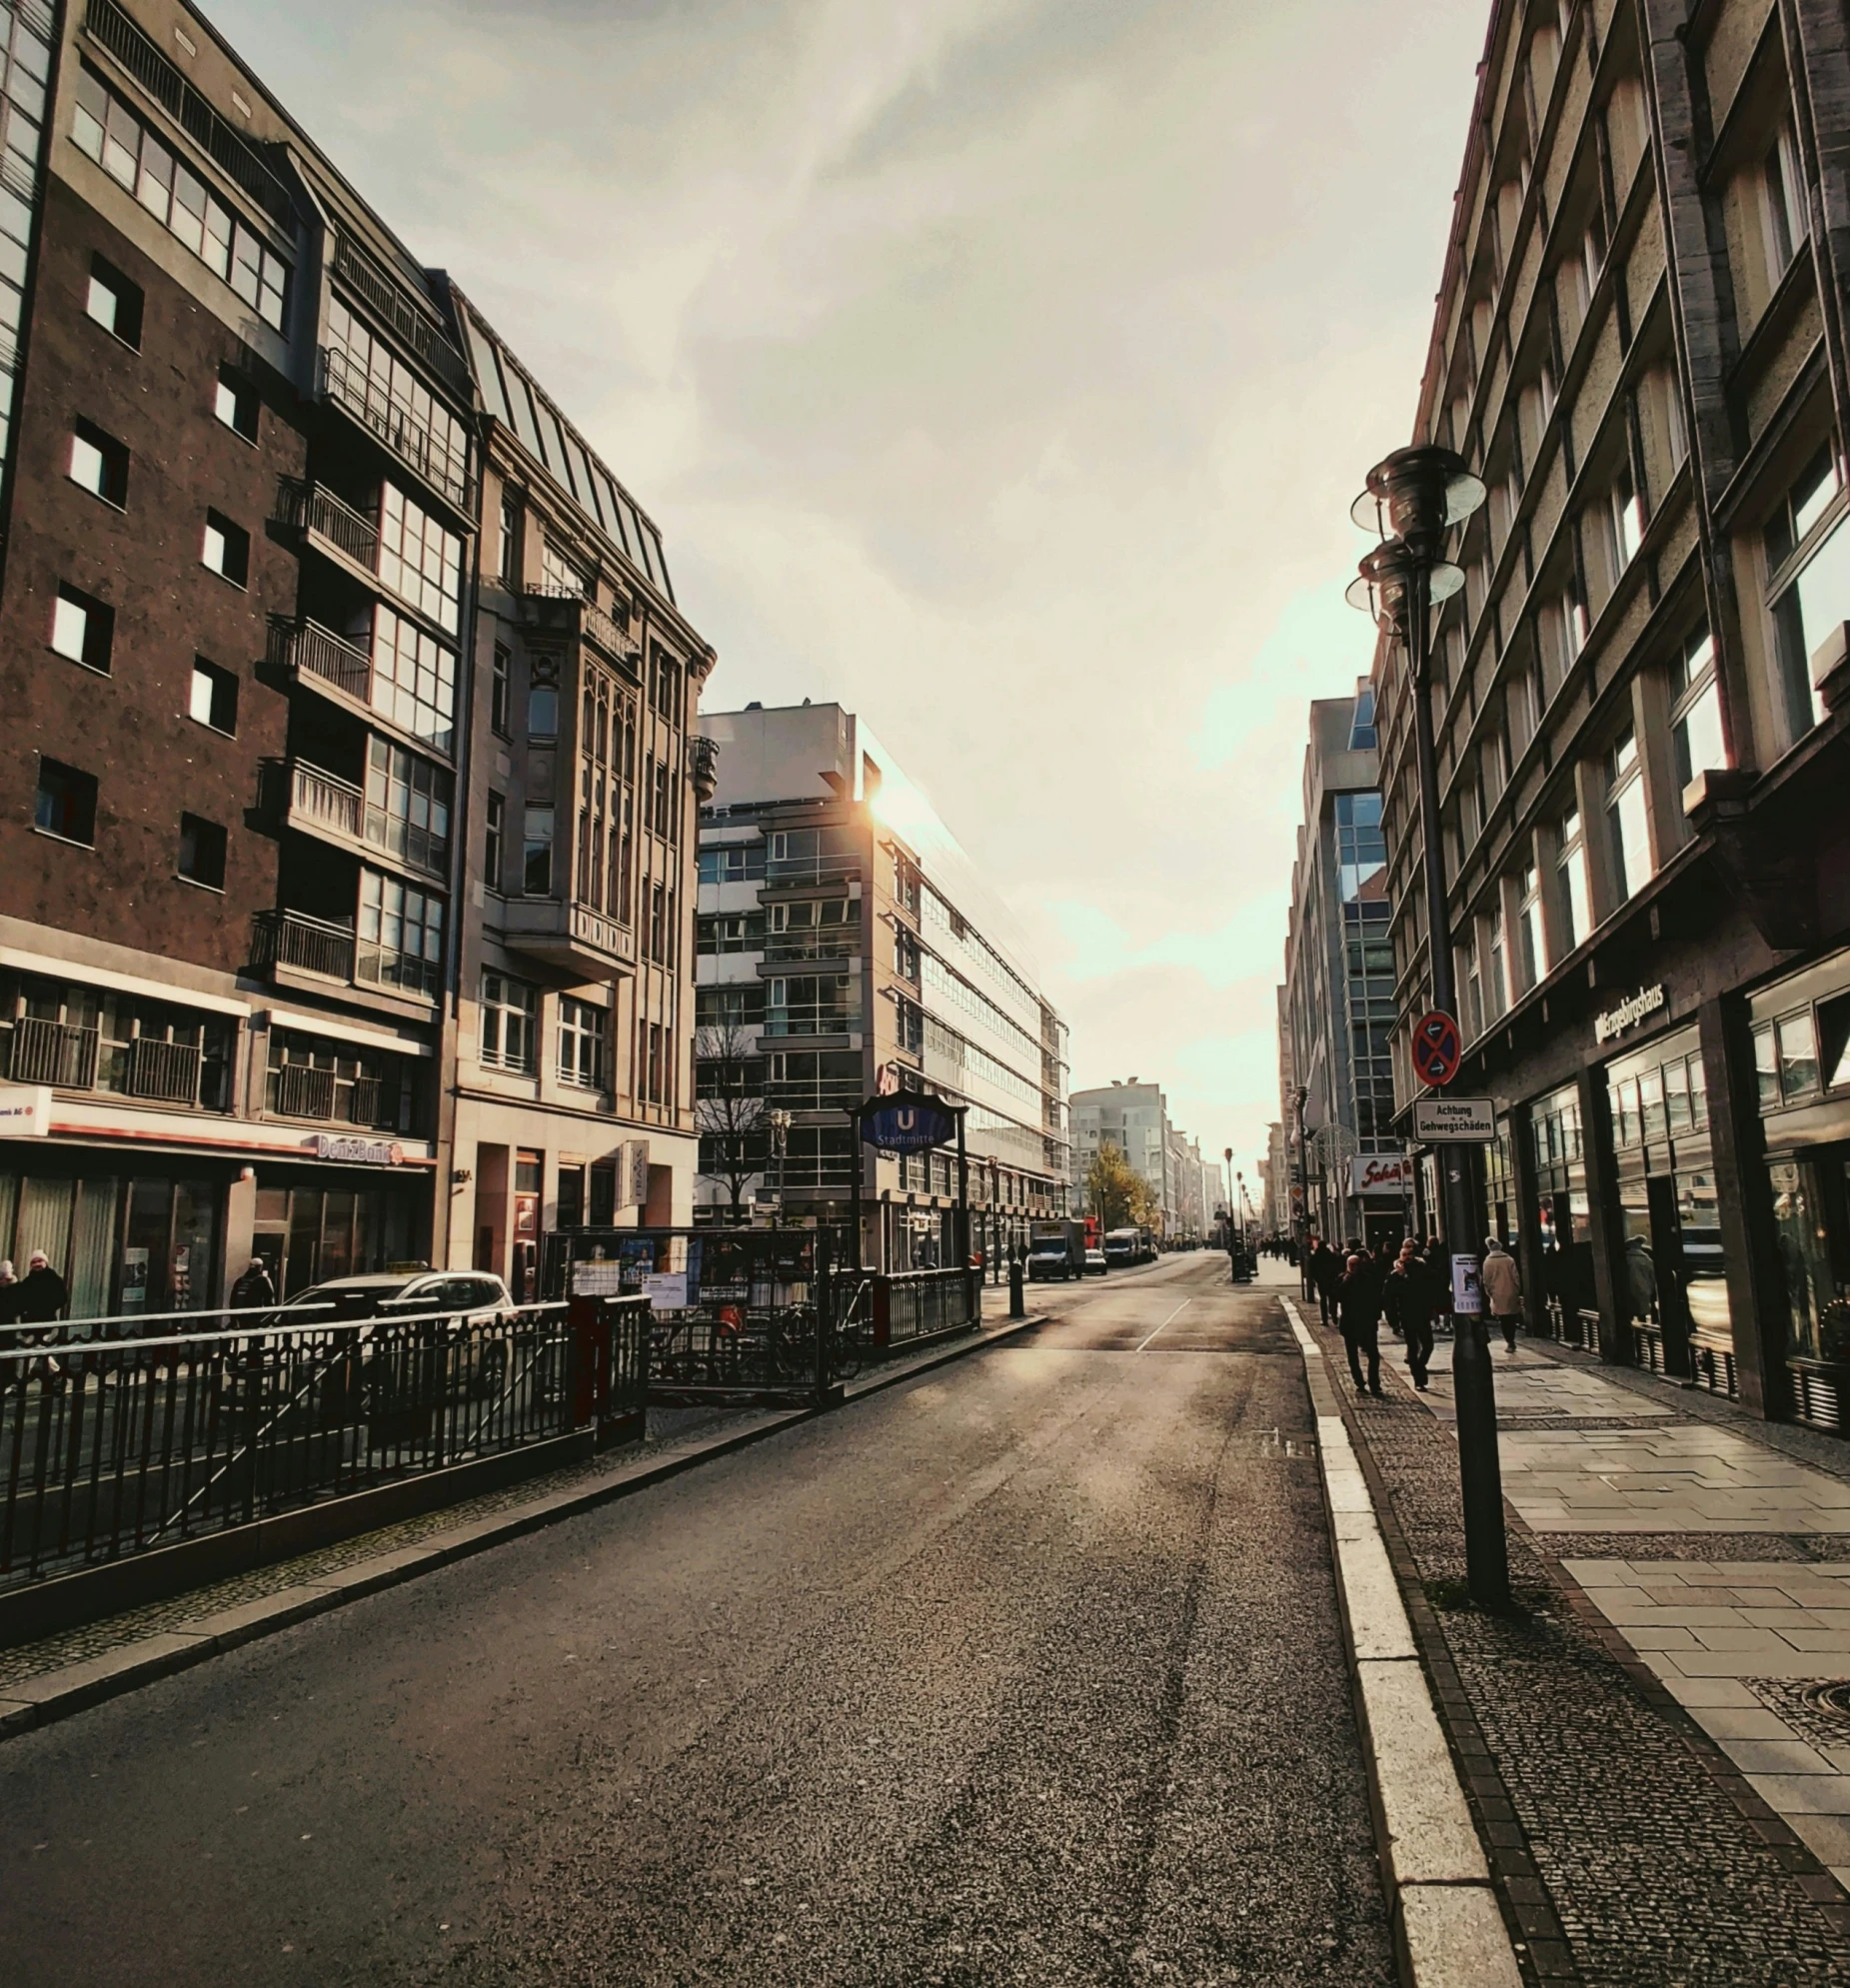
[[1174, 1315]]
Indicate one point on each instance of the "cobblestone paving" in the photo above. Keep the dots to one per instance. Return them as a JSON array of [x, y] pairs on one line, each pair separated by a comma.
[[1654, 1875], [668, 1431]]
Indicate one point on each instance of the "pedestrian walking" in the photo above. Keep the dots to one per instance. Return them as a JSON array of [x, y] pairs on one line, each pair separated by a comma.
[[1409, 1300], [43, 1294], [1358, 1304], [253, 1290], [1502, 1288]]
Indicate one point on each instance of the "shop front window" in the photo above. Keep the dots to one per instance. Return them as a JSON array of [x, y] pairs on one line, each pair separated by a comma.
[[1804, 1255]]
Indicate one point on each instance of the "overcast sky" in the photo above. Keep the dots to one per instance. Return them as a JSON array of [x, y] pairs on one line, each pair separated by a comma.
[[1001, 368]]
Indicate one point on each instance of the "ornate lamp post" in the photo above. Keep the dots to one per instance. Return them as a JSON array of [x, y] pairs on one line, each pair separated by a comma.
[[1413, 499]]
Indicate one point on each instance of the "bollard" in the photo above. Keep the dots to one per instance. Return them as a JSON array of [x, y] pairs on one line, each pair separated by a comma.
[[1017, 1308]]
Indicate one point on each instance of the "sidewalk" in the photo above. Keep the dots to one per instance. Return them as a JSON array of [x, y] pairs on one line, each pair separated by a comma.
[[61, 1673], [1660, 1776]]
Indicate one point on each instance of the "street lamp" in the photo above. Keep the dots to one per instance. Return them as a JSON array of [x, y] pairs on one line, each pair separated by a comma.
[[1412, 500], [780, 1122]]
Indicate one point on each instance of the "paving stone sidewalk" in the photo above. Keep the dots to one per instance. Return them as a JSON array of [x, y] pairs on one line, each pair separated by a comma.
[[1639, 1831]]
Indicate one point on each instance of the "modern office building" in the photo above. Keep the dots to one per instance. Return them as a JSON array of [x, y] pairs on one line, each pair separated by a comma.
[[1640, 693], [1337, 1011], [241, 471], [845, 946], [1134, 1117]]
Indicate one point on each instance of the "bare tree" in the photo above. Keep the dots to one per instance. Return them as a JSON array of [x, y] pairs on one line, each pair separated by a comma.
[[729, 1106]]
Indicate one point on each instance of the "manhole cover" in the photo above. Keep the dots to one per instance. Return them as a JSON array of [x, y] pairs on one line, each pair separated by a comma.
[[1816, 1708]]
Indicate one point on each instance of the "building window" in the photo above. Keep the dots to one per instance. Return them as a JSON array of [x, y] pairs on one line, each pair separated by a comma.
[[542, 711], [536, 853], [1695, 710], [1627, 521], [407, 805], [497, 690], [100, 464], [400, 935], [581, 1044], [66, 804], [82, 629], [414, 679], [1783, 190], [559, 576], [106, 129], [733, 863], [508, 548], [1808, 582], [1575, 897], [332, 1083], [214, 699], [1361, 848], [510, 1016], [202, 852], [227, 549], [1361, 725], [658, 922], [1627, 818], [235, 402], [496, 848], [665, 687], [1531, 945], [662, 792], [742, 933], [113, 302], [366, 374], [419, 560]]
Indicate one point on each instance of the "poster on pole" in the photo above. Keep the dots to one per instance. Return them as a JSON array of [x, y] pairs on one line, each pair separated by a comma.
[[1468, 1287]]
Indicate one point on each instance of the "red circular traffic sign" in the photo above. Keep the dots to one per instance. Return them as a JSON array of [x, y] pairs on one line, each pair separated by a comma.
[[1437, 1048]]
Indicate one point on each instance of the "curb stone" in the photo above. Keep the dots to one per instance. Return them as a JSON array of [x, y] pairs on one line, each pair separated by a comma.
[[39, 1701], [1448, 1928]]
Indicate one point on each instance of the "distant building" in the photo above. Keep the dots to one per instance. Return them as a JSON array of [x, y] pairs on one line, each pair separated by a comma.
[[844, 945], [1339, 996], [1134, 1117]]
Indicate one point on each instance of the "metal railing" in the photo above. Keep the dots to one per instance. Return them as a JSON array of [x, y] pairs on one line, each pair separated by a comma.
[[599, 625], [326, 799], [810, 1021], [308, 507], [168, 1072], [357, 266], [60, 1053], [324, 1096], [811, 868], [369, 402], [307, 648], [917, 1303], [111, 1446], [845, 946], [311, 945]]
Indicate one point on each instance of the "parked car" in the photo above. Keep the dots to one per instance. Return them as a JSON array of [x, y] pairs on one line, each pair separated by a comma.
[[1095, 1264], [475, 1362]]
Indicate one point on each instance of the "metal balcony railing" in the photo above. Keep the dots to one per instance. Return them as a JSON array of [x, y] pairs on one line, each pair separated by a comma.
[[164, 1071], [808, 1020], [311, 649], [325, 798], [788, 945], [311, 945], [594, 622], [370, 404], [306, 507], [56, 1053], [303, 1091], [811, 868]]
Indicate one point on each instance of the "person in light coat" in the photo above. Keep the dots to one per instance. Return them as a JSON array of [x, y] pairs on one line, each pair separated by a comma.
[[1502, 1288]]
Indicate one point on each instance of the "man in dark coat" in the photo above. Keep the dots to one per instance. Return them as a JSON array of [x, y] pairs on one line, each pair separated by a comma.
[[43, 1294], [1358, 1306], [253, 1288], [1410, 1301]]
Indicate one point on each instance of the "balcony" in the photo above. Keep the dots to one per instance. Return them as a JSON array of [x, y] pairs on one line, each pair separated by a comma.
[[293, 948], [69, 1057], [783, 872], [366, 400], [333, 809], [330, 524], [325, 1098], [558, 611], [311, 651], [323, 804], [810, 1021], [573, 937]]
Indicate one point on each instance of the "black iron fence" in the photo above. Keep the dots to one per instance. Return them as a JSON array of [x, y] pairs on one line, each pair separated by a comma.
[[917, 1303], [113, 1447]]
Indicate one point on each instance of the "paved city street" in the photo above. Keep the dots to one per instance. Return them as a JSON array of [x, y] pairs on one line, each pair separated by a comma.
[[1027, 1669]]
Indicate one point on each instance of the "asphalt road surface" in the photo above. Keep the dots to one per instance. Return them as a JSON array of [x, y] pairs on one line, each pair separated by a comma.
[[1024, 1671]]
